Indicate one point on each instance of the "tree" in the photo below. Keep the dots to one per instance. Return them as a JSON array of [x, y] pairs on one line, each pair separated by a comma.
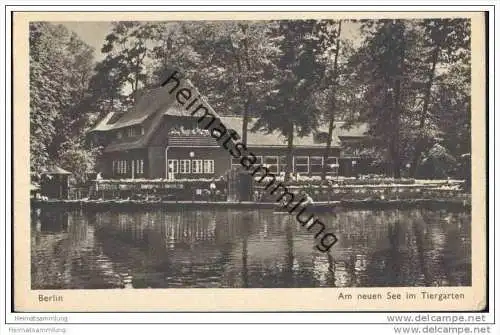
[[446, 40], [438, 163], [43, 103], [384, 76], [251, 52], [176, 47], [290, 104], [74, 117], [105, 88], [330, 39], [230, 60], [78, 158], [452, 103], [60, 67], [128, 49]]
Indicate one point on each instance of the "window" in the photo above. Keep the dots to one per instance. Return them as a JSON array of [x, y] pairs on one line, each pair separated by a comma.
[[316, 164], [208, 166], [122, 167], [173, 166], [332, 160], [282, 167], [134, 131], [139, 166], [271, 162], [197, 166], [184, 166], [332, 165], [118, 167], [119, 134], [301, 164], [235, 162]]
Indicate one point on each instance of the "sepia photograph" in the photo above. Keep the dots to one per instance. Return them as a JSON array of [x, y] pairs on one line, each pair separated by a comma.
[[254, 153]]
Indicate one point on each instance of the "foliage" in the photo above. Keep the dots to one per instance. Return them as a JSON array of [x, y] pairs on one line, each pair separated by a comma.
[[226, 60], [127, 47], [452, 106], [60, 67], [295, 79], [290, 107], [403, 70], [78, 159], [438, 163], [105, 88], [444, 43], [408, 79]]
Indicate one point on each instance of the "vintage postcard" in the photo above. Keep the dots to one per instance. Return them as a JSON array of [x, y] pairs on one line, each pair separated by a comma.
[[249, 161]]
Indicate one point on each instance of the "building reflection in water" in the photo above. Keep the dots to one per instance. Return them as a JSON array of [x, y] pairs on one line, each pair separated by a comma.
[[260, 248]]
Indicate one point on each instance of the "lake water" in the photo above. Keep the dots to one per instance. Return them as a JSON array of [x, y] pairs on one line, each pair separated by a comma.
[[259, 248]]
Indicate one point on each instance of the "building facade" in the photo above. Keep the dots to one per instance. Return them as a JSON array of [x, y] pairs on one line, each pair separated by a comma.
[[158, 139]]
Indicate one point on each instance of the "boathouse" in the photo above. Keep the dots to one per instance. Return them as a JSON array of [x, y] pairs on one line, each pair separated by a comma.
[[55, 182], [157, 138]]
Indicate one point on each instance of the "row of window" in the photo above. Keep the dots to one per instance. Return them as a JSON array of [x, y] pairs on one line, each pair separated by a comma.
[[275, 164], [130, 132], [139, 166], [191, 166], [122, 166], [301, 164]]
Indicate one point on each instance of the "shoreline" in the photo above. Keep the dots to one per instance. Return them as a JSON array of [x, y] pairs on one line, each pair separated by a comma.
[[320, 206]]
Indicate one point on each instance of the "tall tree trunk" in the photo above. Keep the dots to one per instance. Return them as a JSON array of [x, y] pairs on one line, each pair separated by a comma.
[[326, 154], [244, 130], [111, 107], [331, 121], [136, 81], [246, 111], [246, 116], [289, 152], [397, 111], [419, 146]]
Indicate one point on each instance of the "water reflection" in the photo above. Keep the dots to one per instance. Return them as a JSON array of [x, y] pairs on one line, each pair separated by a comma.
[[229, 248]]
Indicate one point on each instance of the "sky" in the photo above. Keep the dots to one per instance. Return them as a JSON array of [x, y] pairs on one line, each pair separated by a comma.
[[94, 33]]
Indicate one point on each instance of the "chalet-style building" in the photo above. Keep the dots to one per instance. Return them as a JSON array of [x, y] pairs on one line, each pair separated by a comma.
[[159, 139]]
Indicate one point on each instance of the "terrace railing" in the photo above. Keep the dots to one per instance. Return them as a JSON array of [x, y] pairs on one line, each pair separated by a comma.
[[159, 189], [336, 192]]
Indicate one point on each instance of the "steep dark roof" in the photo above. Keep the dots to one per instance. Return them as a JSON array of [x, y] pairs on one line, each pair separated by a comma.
[[55, 170], [104, 124], [159, 102], [276, 139]]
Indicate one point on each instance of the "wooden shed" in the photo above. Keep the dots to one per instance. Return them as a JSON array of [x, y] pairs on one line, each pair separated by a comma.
[[55, 183]]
